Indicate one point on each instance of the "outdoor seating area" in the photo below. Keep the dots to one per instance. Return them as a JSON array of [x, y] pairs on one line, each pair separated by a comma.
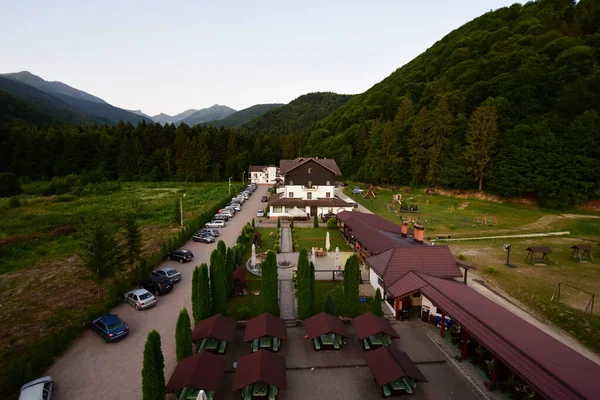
[[326, 331], [265, 332], [538, 255], [201, 371], [374, 331], [394, 371], [260, 375], [582, 252], [319, 252], [212, 334]]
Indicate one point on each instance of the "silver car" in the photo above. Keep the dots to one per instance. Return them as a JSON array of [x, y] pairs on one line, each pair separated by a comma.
[[40, 389], [215, 224], [140, 298], [168, 272]]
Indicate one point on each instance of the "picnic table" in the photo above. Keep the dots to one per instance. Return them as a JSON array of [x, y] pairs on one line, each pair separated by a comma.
[[265, 342], [260, 390], [212, 345], [328, 340], [319, 252], [399, 386], [375, 341]]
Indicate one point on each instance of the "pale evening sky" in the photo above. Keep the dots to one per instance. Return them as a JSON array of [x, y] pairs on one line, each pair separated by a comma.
[[168, 56]]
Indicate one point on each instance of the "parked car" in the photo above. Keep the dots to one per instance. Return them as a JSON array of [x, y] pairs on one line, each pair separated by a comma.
[[203, 237], [236, 206], [158, 284], [229, 213], [260, 213], [140, 299], [357, 190], [181, 255], [232, 209], [211, 232], [110, 327], [222, 217], [39, 389], [264, 199], [168, 272], [215, 223]]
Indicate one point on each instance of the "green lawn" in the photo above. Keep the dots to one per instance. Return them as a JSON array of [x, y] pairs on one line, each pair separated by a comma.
[[254, 303], [337, 291], [307, 238], [268, 239]]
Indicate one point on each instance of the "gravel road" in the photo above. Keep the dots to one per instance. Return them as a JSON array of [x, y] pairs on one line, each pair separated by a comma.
[[114, 370]]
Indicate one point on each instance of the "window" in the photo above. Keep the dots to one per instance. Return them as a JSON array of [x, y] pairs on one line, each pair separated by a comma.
[[309, 195], [291, 183], [310, 170], [328, 195], [309, 184], [277, 209], [291, 194], [328, 183]]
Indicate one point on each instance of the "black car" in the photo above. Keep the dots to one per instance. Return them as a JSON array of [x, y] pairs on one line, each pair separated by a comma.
[[264, 199], [158, 284], [181, 255]]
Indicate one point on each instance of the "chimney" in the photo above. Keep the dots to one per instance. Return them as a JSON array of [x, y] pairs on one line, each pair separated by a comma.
[[419, 233], [404, 229]]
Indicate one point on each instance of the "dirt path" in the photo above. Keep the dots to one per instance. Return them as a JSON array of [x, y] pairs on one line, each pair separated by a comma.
[[114, 371]]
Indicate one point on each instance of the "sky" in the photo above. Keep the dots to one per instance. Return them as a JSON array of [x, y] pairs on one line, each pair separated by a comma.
[[169, 56]]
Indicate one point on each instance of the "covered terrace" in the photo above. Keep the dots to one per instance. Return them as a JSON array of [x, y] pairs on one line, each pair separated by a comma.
[[200, 371], [260, 375], [265, 332], [213, 334]]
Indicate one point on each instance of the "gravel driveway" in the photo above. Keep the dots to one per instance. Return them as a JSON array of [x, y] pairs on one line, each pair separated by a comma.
[[96, 370]]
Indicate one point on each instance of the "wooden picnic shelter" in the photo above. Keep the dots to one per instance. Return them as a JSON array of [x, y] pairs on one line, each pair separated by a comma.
[[257, 239], [394, 371], [213, 333], [582, 252], [326, 331], [374, 331], [538, 254], [200, 371], [239, 279], [265, 332], [260, 375]]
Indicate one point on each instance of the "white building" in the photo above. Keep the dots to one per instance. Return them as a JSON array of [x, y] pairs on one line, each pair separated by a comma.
[[267, 175]]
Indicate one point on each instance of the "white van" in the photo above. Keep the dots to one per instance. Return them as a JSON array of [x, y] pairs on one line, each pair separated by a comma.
[[40, 389]]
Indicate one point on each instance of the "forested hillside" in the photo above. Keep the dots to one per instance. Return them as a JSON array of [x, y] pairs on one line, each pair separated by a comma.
[[239, 118], [533, 68]]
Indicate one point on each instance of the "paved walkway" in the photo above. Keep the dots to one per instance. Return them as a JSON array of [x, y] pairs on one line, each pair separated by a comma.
[[287, 299], [286, 239]]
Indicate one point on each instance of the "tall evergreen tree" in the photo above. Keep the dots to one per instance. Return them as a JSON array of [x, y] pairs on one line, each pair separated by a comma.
[[329, 305], [153, 375], [230, 268], [440, 129], [311, 287], [418, 146], [315, 222], [270, 285], [303, 288], [481, 140], [352, 281], [196, 295], [183, 336], [220, 292], [377, 304], [100, 253], [222, 248], [133, 239], [204, 294]]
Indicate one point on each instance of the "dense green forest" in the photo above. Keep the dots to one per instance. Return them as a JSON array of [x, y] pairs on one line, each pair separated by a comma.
[[509, 102], [239, 118], [536, 65]]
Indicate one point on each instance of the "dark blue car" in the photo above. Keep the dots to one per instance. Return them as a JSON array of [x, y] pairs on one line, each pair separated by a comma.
[[110, 327]]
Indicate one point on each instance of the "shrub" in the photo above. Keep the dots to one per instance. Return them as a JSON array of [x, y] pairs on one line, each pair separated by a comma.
[[114, 295], [491, 270], [461, 257], [65, 198], [243, 313], [14, 202], [315, 222], [331, 223]]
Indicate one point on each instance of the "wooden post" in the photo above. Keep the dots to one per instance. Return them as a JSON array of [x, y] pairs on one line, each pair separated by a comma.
[[465, 278], [442, 325], [463, 355]]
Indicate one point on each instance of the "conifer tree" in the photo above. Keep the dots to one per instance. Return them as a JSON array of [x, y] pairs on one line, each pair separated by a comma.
[[153, 375], [222, 248], [196, 295], [329, 305], [351, 283], [377, 304], [481, 140], [100, 253], [220, 292], [204, 294], [183, 336], [270, 285], [278, 223], [311, 288], [133, 239], [303, 290], [315, 222]]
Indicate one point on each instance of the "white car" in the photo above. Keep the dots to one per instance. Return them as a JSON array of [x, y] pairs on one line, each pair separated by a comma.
[[215, 224], [40, 389], [260, 213]]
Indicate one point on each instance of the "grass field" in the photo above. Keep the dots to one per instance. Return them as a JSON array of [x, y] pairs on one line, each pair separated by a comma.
[[307, 238], [253, 302], [532, 285], [40, 270], [268, 239], [337, 292]]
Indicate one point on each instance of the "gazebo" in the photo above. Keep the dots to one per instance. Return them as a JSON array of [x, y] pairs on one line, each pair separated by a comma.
[[394, 371], [200, 371], [260, 375], [265, 332], [538, 254], [326, 331], [374, 331], [239, 279], [257, 239], [213, 334], [582, 252]]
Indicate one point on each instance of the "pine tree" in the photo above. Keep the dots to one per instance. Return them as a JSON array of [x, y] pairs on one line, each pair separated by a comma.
[[315, 222], [153, 375], [352, 281], [196, 295], [303, 291], [220, 292], [278, 223], [377, 304], [311, 287], [270, 285], [230, 268], [100, 253], [253, 225], [177, 213], [440, 129], [133, 239], [481, 140], [418, 145], [222, 248], [204, 294], [183, 336], [329, 305]]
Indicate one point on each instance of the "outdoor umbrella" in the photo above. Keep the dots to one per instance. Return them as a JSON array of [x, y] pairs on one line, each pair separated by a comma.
[[312, 256], [327, 243], [253, 261], [201, 395], [337, 257]]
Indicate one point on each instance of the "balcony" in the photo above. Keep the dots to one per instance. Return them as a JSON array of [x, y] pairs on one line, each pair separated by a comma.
[[313, 187]]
